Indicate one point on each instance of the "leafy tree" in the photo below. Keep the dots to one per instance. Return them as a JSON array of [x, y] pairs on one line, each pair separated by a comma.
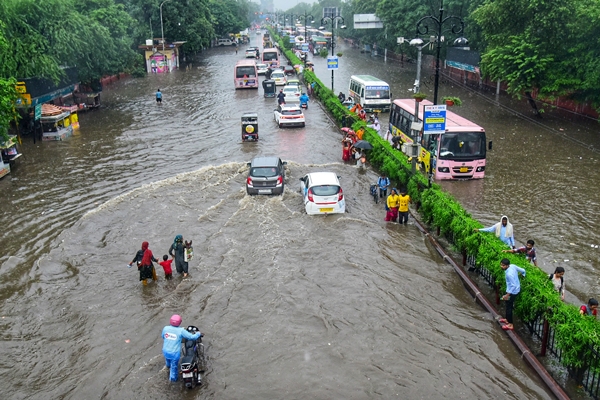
[[542, 45], [8, 96]]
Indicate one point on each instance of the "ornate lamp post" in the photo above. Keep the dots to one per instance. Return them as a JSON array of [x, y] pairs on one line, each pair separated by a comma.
[[333, 21], [162, 31], [423, 27]]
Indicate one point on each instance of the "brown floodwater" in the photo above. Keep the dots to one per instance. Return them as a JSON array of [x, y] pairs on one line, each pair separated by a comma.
[[292, 306]]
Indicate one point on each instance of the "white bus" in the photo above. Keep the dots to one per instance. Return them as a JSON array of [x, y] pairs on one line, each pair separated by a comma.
[[371, 93]]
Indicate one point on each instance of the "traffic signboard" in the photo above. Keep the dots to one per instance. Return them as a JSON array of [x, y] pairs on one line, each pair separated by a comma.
[[435, 119], [332, 62]]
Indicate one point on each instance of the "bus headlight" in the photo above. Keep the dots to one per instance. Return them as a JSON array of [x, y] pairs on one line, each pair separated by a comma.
[[480, 169], [445, 170]]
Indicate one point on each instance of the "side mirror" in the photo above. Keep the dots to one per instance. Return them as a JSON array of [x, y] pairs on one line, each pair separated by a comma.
[[284, 163], [490, 145], [249, 164]]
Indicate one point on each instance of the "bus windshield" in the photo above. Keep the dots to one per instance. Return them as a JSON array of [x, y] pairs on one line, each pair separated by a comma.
[[462, 145], [377, 93]]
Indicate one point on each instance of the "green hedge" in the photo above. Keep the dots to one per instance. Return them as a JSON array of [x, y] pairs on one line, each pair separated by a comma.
[[574, 335]]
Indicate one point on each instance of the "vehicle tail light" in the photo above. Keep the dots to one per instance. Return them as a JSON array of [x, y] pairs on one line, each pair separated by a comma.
[[249, 181], [310, 196], [279, 180], [340, 195]]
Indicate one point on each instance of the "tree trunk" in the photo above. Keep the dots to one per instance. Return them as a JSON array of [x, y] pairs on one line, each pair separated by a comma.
[[533, 105]]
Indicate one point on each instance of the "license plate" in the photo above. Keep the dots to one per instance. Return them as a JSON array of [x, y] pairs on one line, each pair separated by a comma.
[[377, 111], [264, 191], [464, 169], [326, 210], [188, 374]]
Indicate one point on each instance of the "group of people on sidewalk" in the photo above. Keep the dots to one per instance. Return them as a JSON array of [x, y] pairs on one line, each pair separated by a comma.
[[503, 230], [144, 260]]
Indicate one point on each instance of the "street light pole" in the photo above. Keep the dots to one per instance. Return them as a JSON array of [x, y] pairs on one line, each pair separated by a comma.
[[333, 21], [458, 27], [162, 31], [312, 20]]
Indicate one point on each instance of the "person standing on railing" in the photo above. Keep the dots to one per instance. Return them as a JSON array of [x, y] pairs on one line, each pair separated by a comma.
[[503, 231], [513, 287]]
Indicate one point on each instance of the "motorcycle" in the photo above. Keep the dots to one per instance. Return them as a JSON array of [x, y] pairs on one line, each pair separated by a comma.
[[193, 363], [304, 105]]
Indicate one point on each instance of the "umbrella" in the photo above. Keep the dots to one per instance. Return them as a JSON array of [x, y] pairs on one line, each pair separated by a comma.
[[363, 144]]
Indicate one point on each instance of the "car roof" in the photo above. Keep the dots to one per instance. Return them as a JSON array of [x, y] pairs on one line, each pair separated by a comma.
[[276, 72], [323, 178], [290, 88], [265, 161]]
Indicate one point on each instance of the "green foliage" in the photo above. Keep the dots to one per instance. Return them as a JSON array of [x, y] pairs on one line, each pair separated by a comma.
[[453, 99], [323, 53], [8, 96]]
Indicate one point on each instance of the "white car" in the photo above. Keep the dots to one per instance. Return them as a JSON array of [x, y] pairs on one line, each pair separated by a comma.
[[262, 68], [289, 115], [292, 94], [279, 77], [322, 193]]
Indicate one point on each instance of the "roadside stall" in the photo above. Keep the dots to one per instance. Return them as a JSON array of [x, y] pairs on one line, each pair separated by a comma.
[[56, 124], [8, 155]]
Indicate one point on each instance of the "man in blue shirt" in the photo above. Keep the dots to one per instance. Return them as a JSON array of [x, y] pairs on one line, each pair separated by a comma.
[[158, 97], [503, 231], [513, 287]]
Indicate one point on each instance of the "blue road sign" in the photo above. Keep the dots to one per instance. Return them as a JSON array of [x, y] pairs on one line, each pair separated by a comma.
[[332, 62], [434, 119]]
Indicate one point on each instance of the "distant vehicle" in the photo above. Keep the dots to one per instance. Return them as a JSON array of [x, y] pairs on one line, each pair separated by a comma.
[[289, 115], [261, 69], [292, 94], [289, 70], [371, 93], [225, 42], [249, 127], [245, 75], [279, 77], [266, 176], [294, 82], [270, 57], [322, 193]]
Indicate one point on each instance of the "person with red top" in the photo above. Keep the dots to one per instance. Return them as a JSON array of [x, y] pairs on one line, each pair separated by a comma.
[[144, 259], [591, 308], [166, 264]]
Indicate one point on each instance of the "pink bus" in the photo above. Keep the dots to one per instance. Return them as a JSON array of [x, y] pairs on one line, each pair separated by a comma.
[[245, 75], [458, 153], [270, 57]]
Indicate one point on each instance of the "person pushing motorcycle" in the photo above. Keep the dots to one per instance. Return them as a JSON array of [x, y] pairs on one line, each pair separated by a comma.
[[172, 335]]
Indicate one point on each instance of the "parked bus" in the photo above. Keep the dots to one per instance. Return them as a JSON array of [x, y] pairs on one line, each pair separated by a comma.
[[245, 74], [270, 57], [371, 93], [458, 153]]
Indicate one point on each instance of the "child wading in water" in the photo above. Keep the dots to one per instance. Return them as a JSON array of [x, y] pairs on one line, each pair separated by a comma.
[[166, 264]]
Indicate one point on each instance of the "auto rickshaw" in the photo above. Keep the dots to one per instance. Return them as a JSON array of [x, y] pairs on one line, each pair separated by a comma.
[[249, 127], [269, 88]]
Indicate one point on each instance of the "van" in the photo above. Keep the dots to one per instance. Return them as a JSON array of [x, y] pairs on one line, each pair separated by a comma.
[[225, 42]]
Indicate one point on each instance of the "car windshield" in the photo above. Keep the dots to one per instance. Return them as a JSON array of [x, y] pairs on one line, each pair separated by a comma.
[[325, 190], [291, 112], [277, 74], [291, 90], [263, 172]]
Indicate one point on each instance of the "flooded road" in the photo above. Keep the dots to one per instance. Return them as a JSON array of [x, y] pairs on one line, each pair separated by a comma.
[[292, 306]]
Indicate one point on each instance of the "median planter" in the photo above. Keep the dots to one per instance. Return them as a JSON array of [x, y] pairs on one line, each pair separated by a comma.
[[452, 101]]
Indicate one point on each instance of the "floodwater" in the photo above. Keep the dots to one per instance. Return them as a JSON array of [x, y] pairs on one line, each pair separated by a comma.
[[292, 306]]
